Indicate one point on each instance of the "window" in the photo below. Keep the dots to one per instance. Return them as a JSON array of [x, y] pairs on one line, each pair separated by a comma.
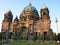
[[44, 13]]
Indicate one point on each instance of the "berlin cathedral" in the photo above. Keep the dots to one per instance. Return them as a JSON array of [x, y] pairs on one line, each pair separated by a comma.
[[29, 21]]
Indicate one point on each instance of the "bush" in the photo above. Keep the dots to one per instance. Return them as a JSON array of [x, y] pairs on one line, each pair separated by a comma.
[[47, 37], [4, 36], [34, 36], [41, 37], [0, 36], [23, 37], [55, 37], [14, 37], [20, 37], [59, 36]]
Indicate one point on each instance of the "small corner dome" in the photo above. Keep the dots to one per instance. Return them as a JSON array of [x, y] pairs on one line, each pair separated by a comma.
[[8, 11], [44, 7]]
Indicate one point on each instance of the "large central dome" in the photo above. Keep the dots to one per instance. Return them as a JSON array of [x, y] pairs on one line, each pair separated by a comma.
[[30, 8], [30, 12]]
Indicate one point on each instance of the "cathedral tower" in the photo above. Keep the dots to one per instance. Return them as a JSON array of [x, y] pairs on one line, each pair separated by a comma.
[[44, 13], [8, 16], [6, 24]]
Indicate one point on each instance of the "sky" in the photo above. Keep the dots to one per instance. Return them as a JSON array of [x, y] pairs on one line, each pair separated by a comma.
[[16, 7]]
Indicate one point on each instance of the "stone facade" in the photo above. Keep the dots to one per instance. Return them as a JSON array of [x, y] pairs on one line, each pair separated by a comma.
[[29, 21]]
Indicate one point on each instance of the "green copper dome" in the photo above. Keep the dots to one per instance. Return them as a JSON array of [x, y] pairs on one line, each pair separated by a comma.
[[31, 11], [30, 8]]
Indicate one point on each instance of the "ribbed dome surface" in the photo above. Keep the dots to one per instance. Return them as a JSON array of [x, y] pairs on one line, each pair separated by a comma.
[[30, 8]]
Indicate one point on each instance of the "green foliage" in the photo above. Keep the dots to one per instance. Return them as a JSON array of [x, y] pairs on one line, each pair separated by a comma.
[[59, 36], [4, 36], [55, 37], [41, 37], [25, 37], [19, 37], [14, 37], [0, 36], [47, 37], [34, 37], [33, 43], [22, 37]]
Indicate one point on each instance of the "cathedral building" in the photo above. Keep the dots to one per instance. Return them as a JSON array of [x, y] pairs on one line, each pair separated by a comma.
[[29, 22]]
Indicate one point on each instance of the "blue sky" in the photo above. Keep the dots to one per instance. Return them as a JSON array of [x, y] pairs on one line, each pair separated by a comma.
[[16, 6]]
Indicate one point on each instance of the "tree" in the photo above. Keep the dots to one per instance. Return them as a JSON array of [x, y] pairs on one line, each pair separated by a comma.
[[34, 36], [0, 36], [55, 37], [47, 37], [59, 36], [41, 37], [4, 36], [14, 37]]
